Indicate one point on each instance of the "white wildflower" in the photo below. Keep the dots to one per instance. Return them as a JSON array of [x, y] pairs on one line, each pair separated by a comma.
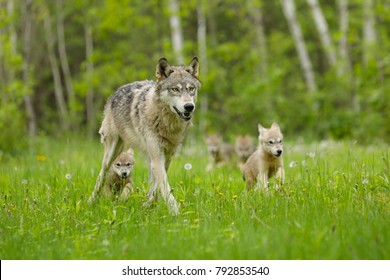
[[24, 182], [293, 164], [68, 176], [311, 154], [187, 166]]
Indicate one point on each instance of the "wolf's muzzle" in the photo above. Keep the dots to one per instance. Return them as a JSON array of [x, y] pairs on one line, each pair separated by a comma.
[[189, 108]]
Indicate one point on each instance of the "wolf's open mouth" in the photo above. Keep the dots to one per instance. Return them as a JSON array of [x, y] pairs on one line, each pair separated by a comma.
[[184, 116]]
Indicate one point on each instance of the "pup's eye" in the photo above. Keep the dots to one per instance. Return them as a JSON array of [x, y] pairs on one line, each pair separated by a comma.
[[128, 164], [118, 164], [281, 141], [271, 142]]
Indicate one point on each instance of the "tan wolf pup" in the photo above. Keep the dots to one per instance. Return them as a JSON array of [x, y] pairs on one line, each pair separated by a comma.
[[244, 147], [267, 160], [220, 153], [153, 116], [119, 179]]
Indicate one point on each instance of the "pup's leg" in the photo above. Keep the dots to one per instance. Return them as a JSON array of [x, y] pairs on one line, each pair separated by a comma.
[[262, 180], [127, 191], [112, 148], [279, 177]]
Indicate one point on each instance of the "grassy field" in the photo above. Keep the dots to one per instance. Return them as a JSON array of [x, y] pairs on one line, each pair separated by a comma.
[[335, 205]]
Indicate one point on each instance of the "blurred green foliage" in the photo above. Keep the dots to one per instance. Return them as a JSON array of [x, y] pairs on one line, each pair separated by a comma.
[[129, 36]]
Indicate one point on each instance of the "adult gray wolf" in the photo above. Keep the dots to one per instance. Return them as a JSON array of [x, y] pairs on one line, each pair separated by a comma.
[[152, 116], [119, 181], [267, 160]]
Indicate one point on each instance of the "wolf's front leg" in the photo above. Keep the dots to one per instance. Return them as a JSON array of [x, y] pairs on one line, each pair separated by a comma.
[[159, 174], [126, 192]]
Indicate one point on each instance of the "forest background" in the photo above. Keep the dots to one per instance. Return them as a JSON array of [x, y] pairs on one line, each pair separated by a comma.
[[319, 68]]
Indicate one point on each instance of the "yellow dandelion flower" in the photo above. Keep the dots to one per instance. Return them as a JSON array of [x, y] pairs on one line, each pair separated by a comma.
[[41, 158]]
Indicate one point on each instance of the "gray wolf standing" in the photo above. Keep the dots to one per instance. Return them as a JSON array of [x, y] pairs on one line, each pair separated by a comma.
[[119, 179], [267, 160], [153, 116]]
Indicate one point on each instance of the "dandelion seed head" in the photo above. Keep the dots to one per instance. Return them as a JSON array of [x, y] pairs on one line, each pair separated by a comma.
[[187, 166], [311, 154], [293, 164], [24, 182], [68, 176]]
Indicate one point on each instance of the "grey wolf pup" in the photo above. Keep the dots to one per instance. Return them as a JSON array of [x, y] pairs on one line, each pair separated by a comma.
[[244, 147], [267, 160], [119, 179], [152, 116], [220, 153]]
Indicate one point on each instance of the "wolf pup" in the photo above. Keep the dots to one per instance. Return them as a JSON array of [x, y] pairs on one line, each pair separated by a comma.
[[220, 153], [243, 147], [119, 176], [267, 160], [152, 116]]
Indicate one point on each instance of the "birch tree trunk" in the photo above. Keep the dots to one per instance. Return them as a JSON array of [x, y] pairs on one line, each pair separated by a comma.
[[202, 49], [323, 30], [255, 10], [176, 31], [64, 59], [295, 29], [59, 94], [27, 25], [90, 110], [369, 38], [343, 42]]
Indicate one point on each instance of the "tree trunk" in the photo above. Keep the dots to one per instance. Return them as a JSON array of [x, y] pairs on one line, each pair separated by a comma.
[[343, 42], [202, 46], [255, 10], [64, 59], [369, 38], [90, 110], [295, 29], [28, 101], [322, 27], [59, 94], [176, 31]]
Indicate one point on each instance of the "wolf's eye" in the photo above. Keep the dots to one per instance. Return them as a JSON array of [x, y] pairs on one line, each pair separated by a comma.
[[191, 89], [271, 142], [118, 164], [175, 89], [128, 164]]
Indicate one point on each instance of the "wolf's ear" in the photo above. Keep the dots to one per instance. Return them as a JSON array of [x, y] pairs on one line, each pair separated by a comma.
[[163, 69], [261, 129], [275, 126], [194, 67]]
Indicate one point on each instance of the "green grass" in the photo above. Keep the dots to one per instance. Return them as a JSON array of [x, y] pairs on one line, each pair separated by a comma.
[[335, 205]]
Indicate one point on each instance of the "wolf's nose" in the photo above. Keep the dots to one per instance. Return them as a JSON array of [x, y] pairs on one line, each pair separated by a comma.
[[279, 152], [189, 107]]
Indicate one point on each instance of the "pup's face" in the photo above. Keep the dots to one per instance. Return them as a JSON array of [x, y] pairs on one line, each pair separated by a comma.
[[213, 143], [123, 164], [271, 140], [178, 86]]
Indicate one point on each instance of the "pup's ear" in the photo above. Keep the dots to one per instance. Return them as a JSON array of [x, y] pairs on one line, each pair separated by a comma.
[[275, 126], [194, 67], [261, 129], [163, 69]]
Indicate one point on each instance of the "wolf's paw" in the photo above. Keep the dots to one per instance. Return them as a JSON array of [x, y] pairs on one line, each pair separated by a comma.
[[173, 206]]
